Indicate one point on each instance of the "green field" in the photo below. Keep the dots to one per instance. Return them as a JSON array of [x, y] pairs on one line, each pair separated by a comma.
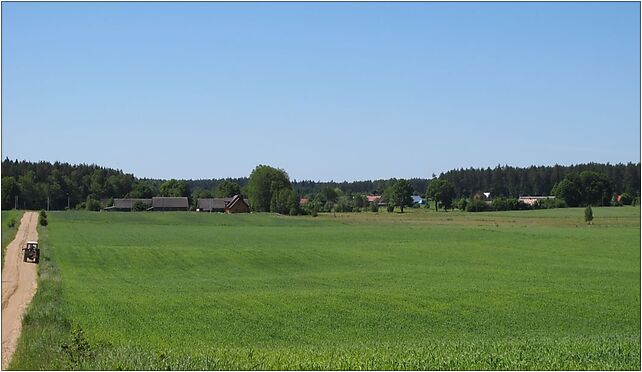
[[422, 290], [8, 233]]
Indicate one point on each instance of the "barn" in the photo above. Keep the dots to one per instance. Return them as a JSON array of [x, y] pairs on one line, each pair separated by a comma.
[[235, 204], [164, 203], [128, 204]]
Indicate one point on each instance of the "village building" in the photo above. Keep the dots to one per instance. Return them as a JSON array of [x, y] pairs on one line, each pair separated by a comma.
[[235, 204], [123, 205], [531, 200], [417, 199], [164, 203]]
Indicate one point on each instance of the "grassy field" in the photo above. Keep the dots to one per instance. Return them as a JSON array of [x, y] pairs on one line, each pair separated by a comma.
[[422, 290], [8, 233]]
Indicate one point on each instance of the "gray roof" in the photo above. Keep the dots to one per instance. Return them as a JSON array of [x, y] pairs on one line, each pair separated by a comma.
[[169, 202], [129, 203], [216, 203]]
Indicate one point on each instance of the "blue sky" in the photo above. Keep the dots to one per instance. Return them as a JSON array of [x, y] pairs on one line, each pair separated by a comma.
[[327, 91]]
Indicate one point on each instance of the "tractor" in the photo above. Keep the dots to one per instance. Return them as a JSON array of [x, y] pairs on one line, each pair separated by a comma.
[[31, 252]]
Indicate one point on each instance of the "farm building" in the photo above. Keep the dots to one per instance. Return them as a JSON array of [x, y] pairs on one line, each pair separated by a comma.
[[162, 203], [531, 200], [373, 198], [416, 199], [234, 204], [128, 204]]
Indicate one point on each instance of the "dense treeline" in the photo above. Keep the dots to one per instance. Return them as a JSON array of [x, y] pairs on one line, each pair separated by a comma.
[[75, 185], [514, 182]]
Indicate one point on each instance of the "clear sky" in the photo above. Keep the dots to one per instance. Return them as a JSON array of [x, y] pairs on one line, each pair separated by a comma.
[[327, 91]]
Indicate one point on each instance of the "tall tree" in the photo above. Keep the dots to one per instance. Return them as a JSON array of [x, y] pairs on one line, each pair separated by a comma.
[[226, 189], [441, 191], [264, 184], [174, 188], [400, 194]]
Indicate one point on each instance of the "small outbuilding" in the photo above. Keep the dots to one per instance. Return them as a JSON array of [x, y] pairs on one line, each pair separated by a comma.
[[237, 205]]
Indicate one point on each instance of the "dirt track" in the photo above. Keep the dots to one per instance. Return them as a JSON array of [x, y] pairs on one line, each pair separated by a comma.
[[19, 281]]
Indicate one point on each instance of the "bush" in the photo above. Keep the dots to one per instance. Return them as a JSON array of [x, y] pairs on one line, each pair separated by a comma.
[[390, 208], [478, 205], [11, 223], [140, 206], [588, 215], [43, 213], [461, 204], [43, 220], [374, 207], [549, 204], [92, 204]]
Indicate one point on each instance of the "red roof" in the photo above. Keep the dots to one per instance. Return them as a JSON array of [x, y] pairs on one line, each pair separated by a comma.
[[373, 198], [304, 201]]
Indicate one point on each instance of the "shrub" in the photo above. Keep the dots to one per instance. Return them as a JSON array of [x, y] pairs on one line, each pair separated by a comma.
[[11, 223], [391, 208], [588, 215], [461, 204], [478, 205], [43, 220], [549, 204], [92, 204], [374, 207], [139, 206], [43, 213]]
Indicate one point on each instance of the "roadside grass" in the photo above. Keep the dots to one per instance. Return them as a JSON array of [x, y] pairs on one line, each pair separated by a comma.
[[419, 290], [45, 327], [9, 233]]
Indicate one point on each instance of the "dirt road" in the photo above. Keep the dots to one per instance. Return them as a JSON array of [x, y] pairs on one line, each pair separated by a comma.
[[18, 285]]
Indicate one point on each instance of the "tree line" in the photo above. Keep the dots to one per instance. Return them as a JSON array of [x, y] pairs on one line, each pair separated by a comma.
[[42, 185]]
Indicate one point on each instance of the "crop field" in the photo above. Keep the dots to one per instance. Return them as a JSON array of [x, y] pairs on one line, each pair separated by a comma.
[[419, 290]]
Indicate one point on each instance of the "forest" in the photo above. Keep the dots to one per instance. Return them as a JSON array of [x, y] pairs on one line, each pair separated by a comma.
[[56, 186]]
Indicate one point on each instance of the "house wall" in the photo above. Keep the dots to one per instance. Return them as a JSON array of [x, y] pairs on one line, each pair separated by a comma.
[[238, 207]]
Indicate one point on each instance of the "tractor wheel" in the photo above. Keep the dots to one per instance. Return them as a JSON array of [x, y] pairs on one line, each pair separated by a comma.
[[37, 257], [24, 257]]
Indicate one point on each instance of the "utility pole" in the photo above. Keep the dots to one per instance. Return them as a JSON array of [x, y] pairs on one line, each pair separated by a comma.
[[16, 203], [47, 202], [67, 201]]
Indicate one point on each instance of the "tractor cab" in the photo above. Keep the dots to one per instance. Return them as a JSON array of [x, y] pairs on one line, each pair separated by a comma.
[[31, 252]]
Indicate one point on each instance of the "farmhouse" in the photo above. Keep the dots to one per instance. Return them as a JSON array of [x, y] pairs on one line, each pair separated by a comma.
[[162, 203], [531, 200], [128, 204], [373, 198], [235, 204]]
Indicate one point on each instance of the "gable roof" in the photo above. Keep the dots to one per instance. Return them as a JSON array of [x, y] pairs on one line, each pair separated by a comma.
[[373, 198], [169, 202], [129, 203], [235, 200]]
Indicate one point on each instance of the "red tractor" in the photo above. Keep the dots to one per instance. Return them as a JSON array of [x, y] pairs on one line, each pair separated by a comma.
[[31, 252]]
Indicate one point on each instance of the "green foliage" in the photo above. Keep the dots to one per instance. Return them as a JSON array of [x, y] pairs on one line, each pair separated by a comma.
[[374, 207], [42, 218], [442, 192], [78, 350], [284, 201], [326, 293], [92, 204], [10, 189], [140, 206], [390, 208], [478, 205], [588, 215], [11, 222], [227, 189], [9, 232], [461, 204], [174, 188], [263, 187], [584, 189], [549, 203], [399, 194]]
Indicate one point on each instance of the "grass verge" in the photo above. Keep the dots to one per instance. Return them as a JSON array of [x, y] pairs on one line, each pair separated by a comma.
[[45, 328]]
